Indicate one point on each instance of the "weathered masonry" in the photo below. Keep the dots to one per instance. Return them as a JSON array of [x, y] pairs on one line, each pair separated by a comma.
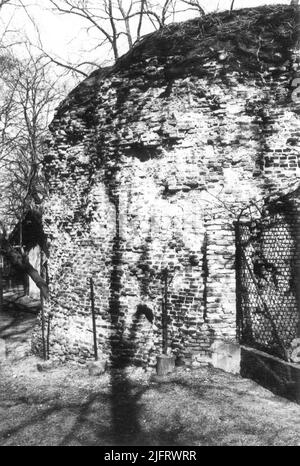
[[150, 165]]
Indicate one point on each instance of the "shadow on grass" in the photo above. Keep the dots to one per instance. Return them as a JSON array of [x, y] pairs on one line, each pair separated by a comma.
[[88, 423]]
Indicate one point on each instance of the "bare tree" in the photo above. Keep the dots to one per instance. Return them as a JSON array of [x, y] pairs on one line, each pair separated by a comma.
[[100, 16], [8, 36], [115, 20], [28, 97]]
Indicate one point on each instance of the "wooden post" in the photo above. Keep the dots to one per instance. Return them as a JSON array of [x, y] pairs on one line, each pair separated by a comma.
[[165, 363], [48, 335], [94, 319], [43, 327], [43, 313], [165, 312]]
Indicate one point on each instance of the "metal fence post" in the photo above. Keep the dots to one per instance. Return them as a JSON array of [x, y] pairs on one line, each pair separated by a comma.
[[43, 312], [165, 313], [94, 319]]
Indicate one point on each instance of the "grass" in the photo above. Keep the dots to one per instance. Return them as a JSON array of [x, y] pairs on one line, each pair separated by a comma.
[[201, 407]]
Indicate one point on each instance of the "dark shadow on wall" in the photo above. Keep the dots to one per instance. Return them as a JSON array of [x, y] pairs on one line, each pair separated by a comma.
[[125, 416]]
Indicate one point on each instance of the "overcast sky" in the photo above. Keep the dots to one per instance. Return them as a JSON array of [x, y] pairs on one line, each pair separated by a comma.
[[65, 36]]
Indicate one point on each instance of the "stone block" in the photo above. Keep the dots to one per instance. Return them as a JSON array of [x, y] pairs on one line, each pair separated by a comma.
[[226, 356], [275, 374], [165, 364], [97, 368], [18, 353], [45, 366]]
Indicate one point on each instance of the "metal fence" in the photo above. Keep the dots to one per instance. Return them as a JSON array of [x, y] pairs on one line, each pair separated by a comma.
[[267, 311]]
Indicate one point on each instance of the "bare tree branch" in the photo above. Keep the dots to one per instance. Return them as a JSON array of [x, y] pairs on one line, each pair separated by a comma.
[[114, 19]]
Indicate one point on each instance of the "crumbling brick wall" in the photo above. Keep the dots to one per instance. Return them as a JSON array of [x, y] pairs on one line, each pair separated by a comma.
[[150, 163]]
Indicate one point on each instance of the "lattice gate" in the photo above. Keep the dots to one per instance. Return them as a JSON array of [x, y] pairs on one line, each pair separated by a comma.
[[267, 310]]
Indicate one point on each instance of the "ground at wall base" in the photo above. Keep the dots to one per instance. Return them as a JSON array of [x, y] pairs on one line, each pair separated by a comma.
[[190, 407]]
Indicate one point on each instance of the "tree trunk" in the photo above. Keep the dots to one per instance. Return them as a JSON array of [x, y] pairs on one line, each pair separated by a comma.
[[21, 262]]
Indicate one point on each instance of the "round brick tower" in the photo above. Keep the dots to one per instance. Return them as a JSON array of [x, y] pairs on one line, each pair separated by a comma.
[[151, 163]]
